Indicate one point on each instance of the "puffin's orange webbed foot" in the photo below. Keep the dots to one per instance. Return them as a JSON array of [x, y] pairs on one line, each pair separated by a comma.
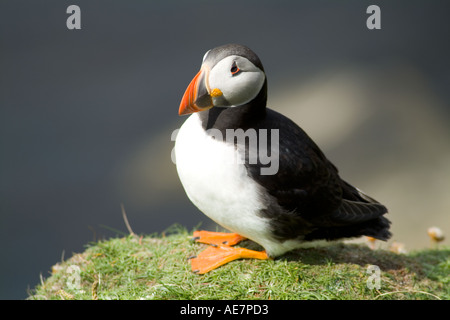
[[218, 238], [216, 256]]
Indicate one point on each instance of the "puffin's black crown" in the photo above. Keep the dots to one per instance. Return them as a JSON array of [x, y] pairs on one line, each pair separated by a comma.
[[218, 53]]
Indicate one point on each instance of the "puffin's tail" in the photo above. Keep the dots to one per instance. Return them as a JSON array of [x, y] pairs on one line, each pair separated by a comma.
[[358, 215], [377, 228]]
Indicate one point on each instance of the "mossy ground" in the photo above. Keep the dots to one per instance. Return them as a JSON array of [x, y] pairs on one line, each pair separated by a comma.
[[157, 268]]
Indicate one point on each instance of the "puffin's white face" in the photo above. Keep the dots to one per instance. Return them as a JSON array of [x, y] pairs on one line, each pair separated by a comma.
[[237, 78], [232, 81]]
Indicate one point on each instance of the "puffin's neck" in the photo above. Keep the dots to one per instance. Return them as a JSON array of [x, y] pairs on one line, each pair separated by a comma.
[[244, 116]]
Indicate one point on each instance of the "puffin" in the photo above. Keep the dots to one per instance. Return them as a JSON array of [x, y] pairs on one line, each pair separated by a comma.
[[256, 173]]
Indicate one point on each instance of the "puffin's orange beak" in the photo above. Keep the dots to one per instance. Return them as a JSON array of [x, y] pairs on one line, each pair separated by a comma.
[[196, 98]]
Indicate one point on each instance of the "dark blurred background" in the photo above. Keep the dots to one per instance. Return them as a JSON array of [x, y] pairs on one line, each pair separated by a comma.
[[86, 116]]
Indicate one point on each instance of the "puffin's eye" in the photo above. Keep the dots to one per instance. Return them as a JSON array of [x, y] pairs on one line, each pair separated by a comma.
[[234, 69]]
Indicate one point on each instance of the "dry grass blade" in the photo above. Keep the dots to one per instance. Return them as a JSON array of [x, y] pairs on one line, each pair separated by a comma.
[[127, 224]]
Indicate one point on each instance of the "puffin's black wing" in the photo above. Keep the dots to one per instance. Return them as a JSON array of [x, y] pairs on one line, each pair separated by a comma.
[[315, 201]]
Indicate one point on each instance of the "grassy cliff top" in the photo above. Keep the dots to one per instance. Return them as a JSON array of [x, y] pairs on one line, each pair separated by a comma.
[[157, 268]]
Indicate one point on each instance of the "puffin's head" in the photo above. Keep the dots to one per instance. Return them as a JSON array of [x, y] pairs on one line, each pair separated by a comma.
[[230, 76]]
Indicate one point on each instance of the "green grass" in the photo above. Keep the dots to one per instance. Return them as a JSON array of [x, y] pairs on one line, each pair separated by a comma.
[[156, 267]]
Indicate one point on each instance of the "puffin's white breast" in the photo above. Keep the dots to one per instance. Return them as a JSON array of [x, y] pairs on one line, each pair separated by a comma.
[[216, 181]]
